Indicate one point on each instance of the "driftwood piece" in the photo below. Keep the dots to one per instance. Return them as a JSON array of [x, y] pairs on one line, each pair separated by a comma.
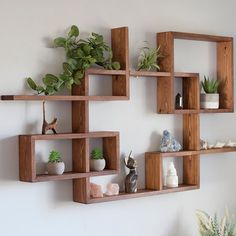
[[48, 126]]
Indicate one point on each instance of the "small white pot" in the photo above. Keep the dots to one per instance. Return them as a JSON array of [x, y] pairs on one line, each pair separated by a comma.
[[55, 168], [97, 165], [209, 100]]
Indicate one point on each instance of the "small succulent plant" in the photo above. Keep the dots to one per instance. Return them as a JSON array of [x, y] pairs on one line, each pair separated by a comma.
[[96, 154], [210, 85], [54, 157], [148, 58]]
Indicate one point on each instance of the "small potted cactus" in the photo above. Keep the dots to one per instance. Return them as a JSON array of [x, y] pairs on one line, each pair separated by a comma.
[[210, 99], [97, 161], [55, 166]]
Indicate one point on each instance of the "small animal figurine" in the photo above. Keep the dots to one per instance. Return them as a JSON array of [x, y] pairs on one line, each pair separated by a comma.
[[48, 126], [132, 177]]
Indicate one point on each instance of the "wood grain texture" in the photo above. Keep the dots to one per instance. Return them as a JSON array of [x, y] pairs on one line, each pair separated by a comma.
[[120, 48], [153, 171], [165, 85], [191, 170], [97, 134], [61, 98], [73, 175], [191, 133], [111, 152], [154, 74], [225, 72], [200, 37], [191, 92], [27, 165], [144, 193]]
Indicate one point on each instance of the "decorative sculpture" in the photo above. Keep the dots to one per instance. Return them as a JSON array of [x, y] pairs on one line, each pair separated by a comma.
[[131, 179], [203, 144], [168, 143], [96, 190], [171, 177], [48, 126]]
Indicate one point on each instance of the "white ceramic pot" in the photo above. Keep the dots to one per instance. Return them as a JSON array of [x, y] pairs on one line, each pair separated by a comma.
[[97, 165], [55, 168], [209, 100]]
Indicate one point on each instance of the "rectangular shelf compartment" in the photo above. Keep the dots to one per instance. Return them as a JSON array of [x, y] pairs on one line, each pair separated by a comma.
[[27, 167]]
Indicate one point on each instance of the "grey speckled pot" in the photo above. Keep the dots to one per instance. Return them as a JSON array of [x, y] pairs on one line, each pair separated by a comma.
[[55, 168], [210, 100]]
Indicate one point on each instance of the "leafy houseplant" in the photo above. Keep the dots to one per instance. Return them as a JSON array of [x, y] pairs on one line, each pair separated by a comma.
[[209, 226], [210, 99], [148, 58], [97, 161], [55, 166], [81, 54]]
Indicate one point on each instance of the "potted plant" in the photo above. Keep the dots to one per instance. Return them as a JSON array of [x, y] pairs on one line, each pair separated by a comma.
[[148, 59], [55, 166], [210, 99], [97, 161], [211, 226], [80, 54]]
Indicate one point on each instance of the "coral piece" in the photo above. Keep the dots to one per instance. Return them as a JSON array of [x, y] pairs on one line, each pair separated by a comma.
[[219, 145], [131, 184], [96, 190], [230, 144], [203, 144], [112, 189], [168, 143]]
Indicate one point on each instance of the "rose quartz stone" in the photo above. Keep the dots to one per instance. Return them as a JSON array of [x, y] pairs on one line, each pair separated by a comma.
[[112, 189], [96, 190]]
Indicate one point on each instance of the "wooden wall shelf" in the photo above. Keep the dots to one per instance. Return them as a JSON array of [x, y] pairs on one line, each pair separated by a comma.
[[167, 78]]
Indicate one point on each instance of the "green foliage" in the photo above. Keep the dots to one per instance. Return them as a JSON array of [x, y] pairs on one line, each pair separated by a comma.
[[209, 226], [54, 157], [81, 54], [96, 154], [210, 85], [148, 58]]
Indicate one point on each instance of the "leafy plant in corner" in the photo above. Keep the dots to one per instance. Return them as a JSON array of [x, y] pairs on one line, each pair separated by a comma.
[[148, 58], [54, 157], [210, 85], [96, 154], [209, 226], [81, 54]]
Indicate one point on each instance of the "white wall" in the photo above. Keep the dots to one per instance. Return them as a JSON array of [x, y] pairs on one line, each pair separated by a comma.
[[26, 30]]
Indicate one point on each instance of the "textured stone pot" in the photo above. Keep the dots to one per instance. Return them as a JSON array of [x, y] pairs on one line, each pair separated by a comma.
[[55, 168], [209, 100], [97, 165]]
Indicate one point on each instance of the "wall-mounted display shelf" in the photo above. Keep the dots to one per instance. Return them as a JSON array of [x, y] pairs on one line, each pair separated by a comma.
[[166, 80]]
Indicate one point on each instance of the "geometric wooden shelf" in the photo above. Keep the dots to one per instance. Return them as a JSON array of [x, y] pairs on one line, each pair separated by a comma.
[[27, 166]]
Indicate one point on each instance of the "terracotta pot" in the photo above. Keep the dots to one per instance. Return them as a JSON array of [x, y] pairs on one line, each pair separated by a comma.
[[97, 165], [210, 100], [56, 168]]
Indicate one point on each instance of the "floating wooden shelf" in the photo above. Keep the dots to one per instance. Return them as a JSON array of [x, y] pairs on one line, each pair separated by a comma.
[[73, 175], [167, 78], [193, 152], [149, 74], [61, 98], [143, 193]]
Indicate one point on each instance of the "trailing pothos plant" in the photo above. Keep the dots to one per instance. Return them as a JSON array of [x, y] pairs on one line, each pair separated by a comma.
[[80, 54]]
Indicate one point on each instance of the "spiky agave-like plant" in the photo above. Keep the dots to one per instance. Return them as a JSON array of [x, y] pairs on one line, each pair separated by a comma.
[[210, 85]]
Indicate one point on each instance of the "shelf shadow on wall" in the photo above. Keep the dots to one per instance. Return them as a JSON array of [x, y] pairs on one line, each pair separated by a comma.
[[9, 159]]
